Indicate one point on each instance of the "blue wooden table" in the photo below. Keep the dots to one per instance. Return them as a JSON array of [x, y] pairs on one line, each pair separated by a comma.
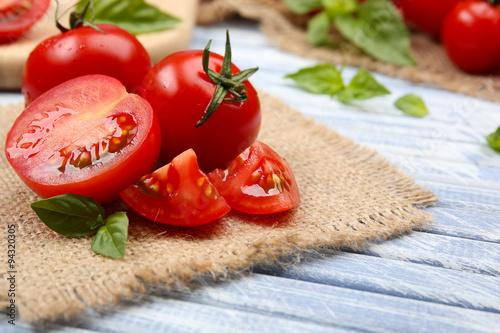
[[442, 279]]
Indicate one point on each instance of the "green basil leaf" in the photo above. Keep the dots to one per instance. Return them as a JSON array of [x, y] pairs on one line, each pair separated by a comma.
[[412, 105], [494, 140], [302, 6], [111, 239], [336, 8], [319, 79], [318, 29], [378, 29], [70, 215], [362, 86], [135, 16]]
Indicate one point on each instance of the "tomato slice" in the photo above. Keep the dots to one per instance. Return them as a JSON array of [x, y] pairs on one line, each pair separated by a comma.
[[258, 181], [87, 136], [18, 16], [178, 193]]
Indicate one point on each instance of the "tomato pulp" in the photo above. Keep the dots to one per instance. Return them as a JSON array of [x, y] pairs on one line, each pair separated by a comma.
[[179, 91], [18, 16], [87, 136], [178, 193], [114, 52], [258, 181]]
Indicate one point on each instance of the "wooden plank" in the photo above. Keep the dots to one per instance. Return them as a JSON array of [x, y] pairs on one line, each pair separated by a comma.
[[338, 307], [157, 315], [472, 199], [260, 303], [457, 223], [465, 155], [395, 278], [441, 251]]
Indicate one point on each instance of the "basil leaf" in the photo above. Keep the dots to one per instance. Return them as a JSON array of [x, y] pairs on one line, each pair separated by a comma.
[[70, 215], [362, 86], [336, 8], [494, 140], [302, 6], [318, 29], [378, 29], [135, 16], [111, 239], [412, 105], [319, 79]]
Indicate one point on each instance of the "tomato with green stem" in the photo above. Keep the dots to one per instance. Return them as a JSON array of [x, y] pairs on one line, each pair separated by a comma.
[[87, 136], [216, 115], [258, 181], [471, 36], [82, 50], [18, 16], [179, 193]]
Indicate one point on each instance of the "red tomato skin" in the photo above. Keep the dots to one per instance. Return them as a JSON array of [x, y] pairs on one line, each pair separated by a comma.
[[104, 181], [243, 194], [180, 91], [427, 15], [83, 51], [471, 36], [187, 205], [15, 26]]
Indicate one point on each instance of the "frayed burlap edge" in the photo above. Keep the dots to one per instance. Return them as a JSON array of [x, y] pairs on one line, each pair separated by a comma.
[[350, 195], [288, 32]]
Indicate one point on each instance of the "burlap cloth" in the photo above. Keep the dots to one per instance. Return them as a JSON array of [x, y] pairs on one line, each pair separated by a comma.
[[288, 32], [349, 195]]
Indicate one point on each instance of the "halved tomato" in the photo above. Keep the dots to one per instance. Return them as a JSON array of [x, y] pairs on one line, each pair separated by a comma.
[[87, 136], [18, 16], [258, 181], [178, 193]]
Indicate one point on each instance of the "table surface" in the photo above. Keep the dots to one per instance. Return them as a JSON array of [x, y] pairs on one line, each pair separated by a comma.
[[445, 278]]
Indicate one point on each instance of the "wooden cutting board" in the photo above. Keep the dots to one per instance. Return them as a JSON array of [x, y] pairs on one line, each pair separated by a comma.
[[159, 44]]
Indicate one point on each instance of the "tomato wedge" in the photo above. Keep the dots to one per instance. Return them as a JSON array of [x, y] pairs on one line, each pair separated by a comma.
[[258, 181], [18, 16], [178, 193], [87, 136]]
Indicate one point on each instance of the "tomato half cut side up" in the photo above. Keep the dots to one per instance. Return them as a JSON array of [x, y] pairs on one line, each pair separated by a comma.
[[87, 136], [258, 181], [18, 16], [178, 193]]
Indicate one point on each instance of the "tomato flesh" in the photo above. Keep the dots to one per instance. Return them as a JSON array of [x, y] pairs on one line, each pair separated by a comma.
[[18, 16], [180, 91], [178, 193], [84, 51], [258, 181], [87, 136]]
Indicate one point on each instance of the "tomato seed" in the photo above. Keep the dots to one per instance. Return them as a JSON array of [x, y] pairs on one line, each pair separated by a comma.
[[208, 191]]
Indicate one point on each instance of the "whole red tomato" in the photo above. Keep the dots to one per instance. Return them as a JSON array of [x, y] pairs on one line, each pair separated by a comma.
[[471, 36], [81, 51], [427, 15], [18, 16], [180, 91], [86, 136]]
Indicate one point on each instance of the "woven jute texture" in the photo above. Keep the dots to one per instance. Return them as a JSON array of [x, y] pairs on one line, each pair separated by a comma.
[[288, 31], [349, 196]]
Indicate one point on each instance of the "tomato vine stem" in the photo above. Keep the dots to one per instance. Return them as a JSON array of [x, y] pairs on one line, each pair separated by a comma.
[[77, 19], [226, 82]]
